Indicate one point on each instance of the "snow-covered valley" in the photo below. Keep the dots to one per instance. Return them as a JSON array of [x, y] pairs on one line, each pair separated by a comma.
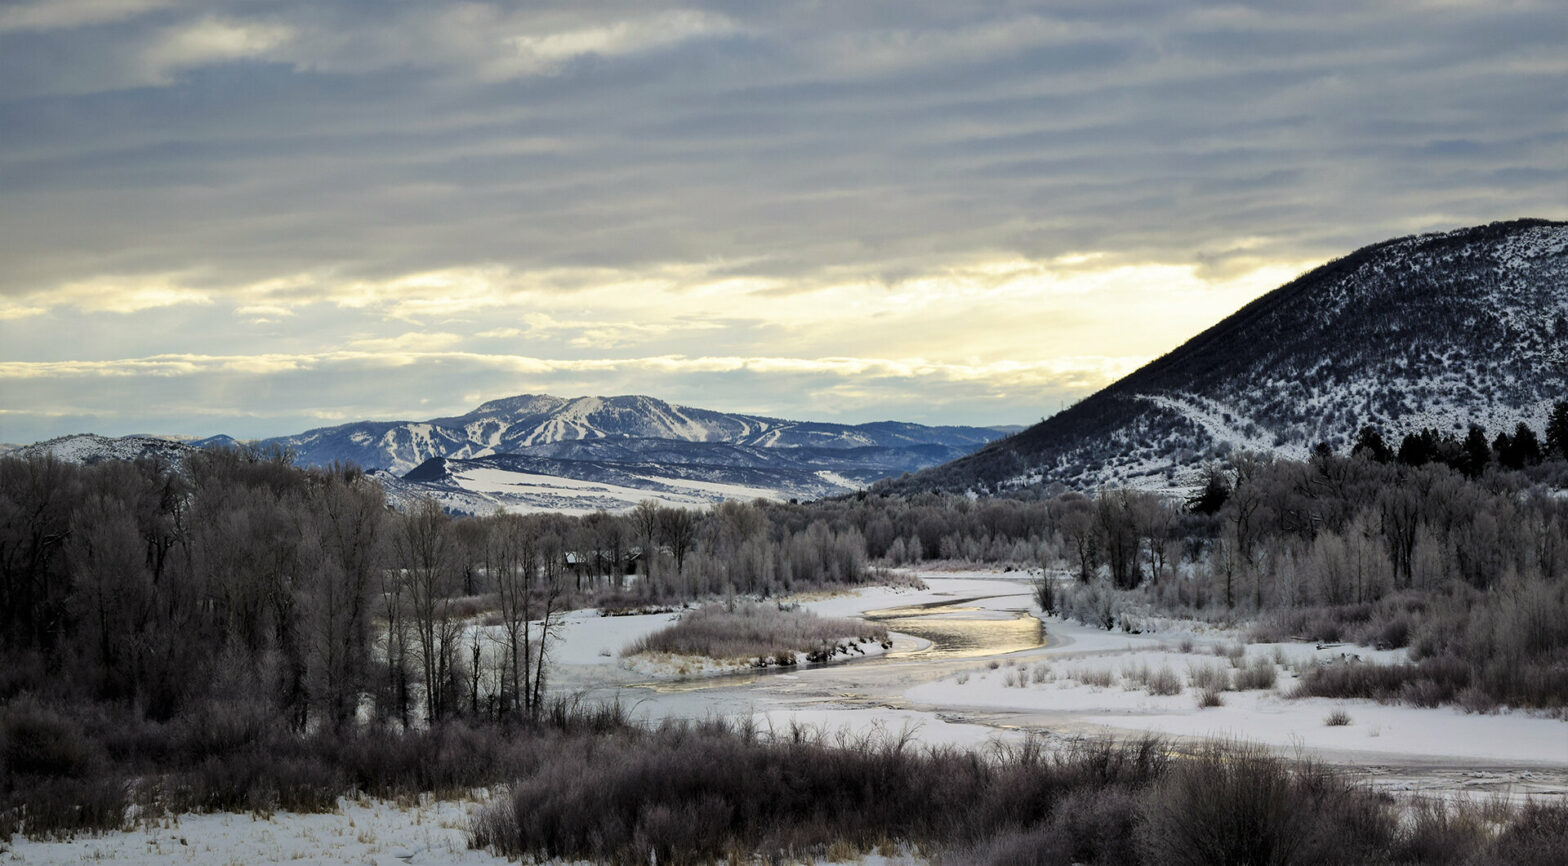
[[1007, 675]]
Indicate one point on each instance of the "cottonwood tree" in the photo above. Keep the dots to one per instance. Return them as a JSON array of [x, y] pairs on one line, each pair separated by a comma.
[[346, 525], [1115, 520], [678, 531], [37, 498], [550, 594], [514, 566], [423, 552]]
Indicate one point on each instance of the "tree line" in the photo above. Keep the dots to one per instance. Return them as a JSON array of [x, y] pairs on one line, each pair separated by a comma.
[[238, 577], [1475, 452]]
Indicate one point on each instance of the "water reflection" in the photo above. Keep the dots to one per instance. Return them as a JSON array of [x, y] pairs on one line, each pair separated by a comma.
[[957, 629], [960, 629]]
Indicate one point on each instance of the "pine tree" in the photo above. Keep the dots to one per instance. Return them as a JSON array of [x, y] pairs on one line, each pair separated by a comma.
[[1527, 445], [1477, 452], [1216, 489], [1557, 432], [1370, 444]]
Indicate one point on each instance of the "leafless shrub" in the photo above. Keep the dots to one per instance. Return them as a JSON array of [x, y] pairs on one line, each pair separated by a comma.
[[1209, 697], [1426, 683], [1337, 718], [696, 792], [1260, 673], [1208, 677], [1537, 836], [1102, 677], [470, 606], [39, 740], [1475, 700], [1086, 826], [1235, 652], [1442, 832], [61, 808], [1164, 681], [1240, 804], [1424, 693]]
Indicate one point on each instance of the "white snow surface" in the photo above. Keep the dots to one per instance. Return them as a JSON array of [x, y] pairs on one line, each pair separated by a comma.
[[1261, 716], [374, 832], [521, 492]]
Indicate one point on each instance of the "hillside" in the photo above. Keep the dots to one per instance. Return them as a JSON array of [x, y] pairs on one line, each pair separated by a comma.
[[89, 448], [1435, 330]]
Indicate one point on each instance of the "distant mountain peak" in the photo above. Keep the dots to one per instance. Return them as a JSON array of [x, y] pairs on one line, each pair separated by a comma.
[[513, 425], [522, 404]]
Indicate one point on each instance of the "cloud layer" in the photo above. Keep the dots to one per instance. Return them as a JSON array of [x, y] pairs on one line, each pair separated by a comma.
[[426, 205]]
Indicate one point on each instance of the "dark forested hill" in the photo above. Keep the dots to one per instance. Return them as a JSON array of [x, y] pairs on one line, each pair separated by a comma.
[[1437, 330]]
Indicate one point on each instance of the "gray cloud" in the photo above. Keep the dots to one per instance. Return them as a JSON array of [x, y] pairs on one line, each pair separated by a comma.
[[215, 146]]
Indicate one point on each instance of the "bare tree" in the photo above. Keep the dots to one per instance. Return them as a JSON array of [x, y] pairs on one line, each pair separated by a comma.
[[424, 552], [347, 523], [514, 566], [678, 530], [550, 591]]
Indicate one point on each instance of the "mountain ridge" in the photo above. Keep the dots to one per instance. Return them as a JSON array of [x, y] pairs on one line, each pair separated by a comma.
[[1440, 329], [540, 452], [510, 425]]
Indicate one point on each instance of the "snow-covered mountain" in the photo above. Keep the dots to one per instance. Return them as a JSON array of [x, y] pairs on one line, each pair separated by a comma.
[[541, 453], [1439, 330], [515, 424]]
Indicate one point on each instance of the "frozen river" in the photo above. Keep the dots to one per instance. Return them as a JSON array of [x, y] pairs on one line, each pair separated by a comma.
[[974, 664]]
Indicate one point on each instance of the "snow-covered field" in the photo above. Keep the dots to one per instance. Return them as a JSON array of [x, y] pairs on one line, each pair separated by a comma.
[[371, 832], [1266, 716], [524, 492], [968, 699]]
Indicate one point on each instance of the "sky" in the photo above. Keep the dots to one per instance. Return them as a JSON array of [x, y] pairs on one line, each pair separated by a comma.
[[256, 217]]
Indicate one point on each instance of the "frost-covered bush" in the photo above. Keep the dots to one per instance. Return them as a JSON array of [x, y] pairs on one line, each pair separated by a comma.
[[1260, 673], [1208, 677], [1093, 604]]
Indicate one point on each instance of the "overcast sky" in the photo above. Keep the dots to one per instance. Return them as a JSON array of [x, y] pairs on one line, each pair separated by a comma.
[[256, 217]]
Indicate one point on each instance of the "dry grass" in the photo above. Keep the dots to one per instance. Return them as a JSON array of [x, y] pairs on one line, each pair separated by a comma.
[[1102, 677], [758, 632], [1260, 673], [1208, 677], [1157, 681]]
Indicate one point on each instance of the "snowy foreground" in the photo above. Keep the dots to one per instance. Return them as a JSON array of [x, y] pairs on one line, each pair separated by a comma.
[[978, 679]]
